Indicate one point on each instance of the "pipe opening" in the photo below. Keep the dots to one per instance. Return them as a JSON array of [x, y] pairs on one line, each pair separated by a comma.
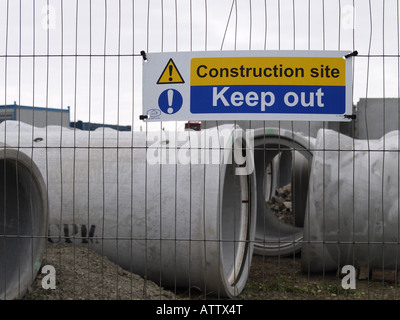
[[22, 209], [280, 163]]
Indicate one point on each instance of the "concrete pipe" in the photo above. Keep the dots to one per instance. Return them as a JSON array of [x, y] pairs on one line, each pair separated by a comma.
[[352, 216], [153, 204], [281, 157], [23, 222]]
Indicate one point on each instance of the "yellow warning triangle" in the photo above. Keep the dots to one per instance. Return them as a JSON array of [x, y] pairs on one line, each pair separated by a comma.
[[170, 74]]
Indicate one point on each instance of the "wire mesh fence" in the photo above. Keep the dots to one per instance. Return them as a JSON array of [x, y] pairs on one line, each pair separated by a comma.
[[98, 204]]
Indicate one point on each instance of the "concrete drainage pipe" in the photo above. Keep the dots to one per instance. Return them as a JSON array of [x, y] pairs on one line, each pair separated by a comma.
[[352, 217], [149, 203], [281, 157], [23, 222]]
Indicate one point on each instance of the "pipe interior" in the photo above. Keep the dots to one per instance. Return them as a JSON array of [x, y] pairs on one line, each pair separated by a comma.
[[275, 165], [275, 171], [21, 211]]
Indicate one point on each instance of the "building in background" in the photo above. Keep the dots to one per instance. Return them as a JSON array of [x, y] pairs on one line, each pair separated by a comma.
[[90, 126], [42, 117], [376, 117], [35, 116]]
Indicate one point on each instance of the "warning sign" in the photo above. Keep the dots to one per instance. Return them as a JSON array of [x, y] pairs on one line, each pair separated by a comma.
[[248, 85], [274, 85], [170, 74]]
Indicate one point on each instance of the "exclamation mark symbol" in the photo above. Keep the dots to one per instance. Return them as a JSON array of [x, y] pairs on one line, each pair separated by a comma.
[[170, 94], [170, 72]]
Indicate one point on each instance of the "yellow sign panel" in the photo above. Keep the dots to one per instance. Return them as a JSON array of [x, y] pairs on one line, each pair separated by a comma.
[[308, 71], [170, 74]]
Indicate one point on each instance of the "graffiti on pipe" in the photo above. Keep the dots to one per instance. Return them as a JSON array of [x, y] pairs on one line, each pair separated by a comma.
[[67, 233]]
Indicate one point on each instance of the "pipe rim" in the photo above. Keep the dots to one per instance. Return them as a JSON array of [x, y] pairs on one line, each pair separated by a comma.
[[234, 273], [31, 253], [235, 277]]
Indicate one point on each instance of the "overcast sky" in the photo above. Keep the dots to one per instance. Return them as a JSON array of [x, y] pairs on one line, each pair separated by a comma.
[[56, 38]]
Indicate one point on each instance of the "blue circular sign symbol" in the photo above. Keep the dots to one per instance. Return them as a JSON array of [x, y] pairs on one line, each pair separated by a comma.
[[170, 101]]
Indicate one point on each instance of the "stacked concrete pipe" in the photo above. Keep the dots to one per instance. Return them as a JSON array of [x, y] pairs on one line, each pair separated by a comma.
[[288, 155], [23, 222], [180, 224], [353, 212]]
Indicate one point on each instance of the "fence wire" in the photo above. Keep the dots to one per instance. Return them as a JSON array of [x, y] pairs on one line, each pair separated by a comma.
[[99, 204]]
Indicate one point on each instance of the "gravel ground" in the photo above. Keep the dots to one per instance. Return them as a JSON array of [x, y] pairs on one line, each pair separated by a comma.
[[282, 278], [273, 278], [83, 274]]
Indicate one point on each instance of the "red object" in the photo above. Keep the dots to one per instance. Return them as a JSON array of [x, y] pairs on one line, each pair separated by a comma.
[[193, 125]]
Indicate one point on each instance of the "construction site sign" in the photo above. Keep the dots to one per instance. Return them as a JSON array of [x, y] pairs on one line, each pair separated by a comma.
[[248, 85]]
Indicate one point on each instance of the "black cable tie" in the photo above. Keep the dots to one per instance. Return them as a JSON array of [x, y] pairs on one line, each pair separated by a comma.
[[352, 54], [143, 117], [143, 53], [350, 116]]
